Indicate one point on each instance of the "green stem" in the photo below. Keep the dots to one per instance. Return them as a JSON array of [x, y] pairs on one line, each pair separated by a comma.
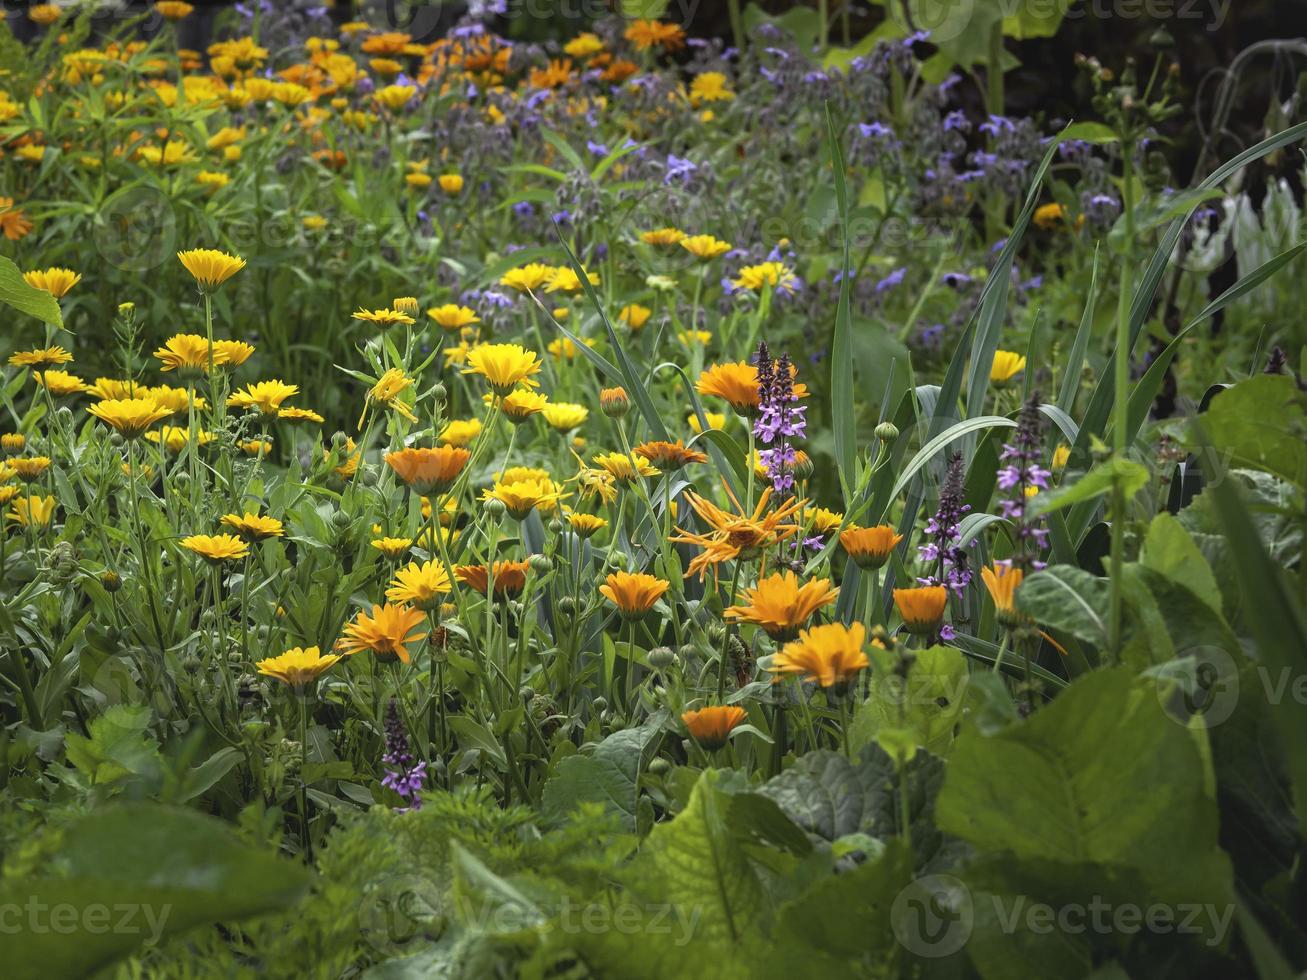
[[1121, 399]]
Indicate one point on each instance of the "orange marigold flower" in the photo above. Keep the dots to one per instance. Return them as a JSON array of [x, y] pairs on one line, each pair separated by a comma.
[[711, 727], [633, 593], [780, 605], [386, 632], [510, 577]]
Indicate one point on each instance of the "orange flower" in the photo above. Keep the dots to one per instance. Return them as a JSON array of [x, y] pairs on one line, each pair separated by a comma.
[[738, 383], [386, 632], [669, 456], [510, 577], [711, 727], [780, 605], [427, 470], [830, 655], [870, 547], [737, 536], [634, 594], [922, 608], [1002, 581]]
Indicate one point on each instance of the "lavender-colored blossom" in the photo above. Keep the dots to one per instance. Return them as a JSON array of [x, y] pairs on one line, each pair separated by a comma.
[[892, 280], [403, 775], [1021, 475], [943, 532], [780, 418]]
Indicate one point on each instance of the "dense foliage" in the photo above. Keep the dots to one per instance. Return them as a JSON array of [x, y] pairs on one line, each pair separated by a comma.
[[634, 507]]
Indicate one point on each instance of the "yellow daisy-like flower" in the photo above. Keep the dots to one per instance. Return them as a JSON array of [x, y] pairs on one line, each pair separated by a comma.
[[33, 511], [186, 352], [298, 666], [664, 237], [395, 97], [174, 438], [705, 247], [1006, 366], [586, 525], [1048, 216], [175, 10], [216, 548], [523, 496], [175, 400], [256, 447], [510, 577], [634, 315], [1002, 581], [29, 467], [711, 727], [44, 14], [715, 420], [460, 432], [44, 357], [428, 470], [1061, 456], [266, 396], [420, 585], [129, 416], [386, 632], [922, 609], [383, 317], [566, 280], [623, 468], [565, 416], [452, 316], [780, 604], [293, 414], [831, 655], [743, 536], [54, 280], [231, 353], [117, 388], [210, 267], [755, 278], [710, 86], [504, 366], [633, 593], [450, 183], [528, 277], [520, 404], [870, 547], [738, 383], [59, 383], [387, 391], [11, 443], [254, 527], [392, 547]]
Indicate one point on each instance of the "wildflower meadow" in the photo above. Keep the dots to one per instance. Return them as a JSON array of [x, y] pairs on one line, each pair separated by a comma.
[[644, 490]]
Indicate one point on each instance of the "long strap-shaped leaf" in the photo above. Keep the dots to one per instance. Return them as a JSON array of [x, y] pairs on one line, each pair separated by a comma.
[[843, 410]]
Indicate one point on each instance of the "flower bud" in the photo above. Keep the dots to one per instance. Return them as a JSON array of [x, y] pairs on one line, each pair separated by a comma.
[[614, 402], [660, 658], [110, 581], [340, 520], [439, 393], [658, 766], [540, 564], [495, 509], [887, 432]]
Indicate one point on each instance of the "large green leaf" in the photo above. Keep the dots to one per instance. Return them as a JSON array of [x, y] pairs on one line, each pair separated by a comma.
[[131, 874], [1169, 550], [1260, 423], [1067, 598], [15, 292], [843, 410], [610, 775]]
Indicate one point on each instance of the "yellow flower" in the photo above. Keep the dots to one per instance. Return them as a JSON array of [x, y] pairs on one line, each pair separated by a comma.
[[663, 236], [1048, 216], [705, 246], [32, 511], [710, 86], [176, 10], [777, 275], [59, 382], [566, 280], [715, 420], [253, 527], [623, 468], [54, 280], [565, 416], [11, 443], [130, 416], [460, 432], [645, 34], [527, 277], [216, 547], [266, 396], [830, 655], [386, 632], [691, 337], [780, 605], [586, 525], [922, 609], [212, 180], [1006, 366], [451, 316], [450, 183], [173, 399], [634, 315], [186, 351], [1002, 581], [256, 447], [520, 404], [392, 547], [740, 536], [231, 353], [395, 97], [634, 594], [564, 348], [43, 357], [583, 45], [420, 585], [30, 466], [1061, 456], [523, 496], [870, 547], [429, 471], [504, 366], [387, 391], [711, 727], [298, 666], [293, 414], [174, 438], [210, 267], [383, 317]]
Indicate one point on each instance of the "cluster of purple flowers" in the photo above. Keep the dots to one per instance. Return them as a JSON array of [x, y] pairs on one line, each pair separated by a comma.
[[942, 547], [1018, 474], [780, 418], [403, 775]]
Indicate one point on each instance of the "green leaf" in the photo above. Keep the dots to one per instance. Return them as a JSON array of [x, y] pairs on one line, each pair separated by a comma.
[[15, 292], [133, 874], [119, 746], [843, 409], [610, 776], [1067, 598], [1097, 482], [1169, 550], [1091, 132], [1103, 780], [928, 704], [1260, 423]]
